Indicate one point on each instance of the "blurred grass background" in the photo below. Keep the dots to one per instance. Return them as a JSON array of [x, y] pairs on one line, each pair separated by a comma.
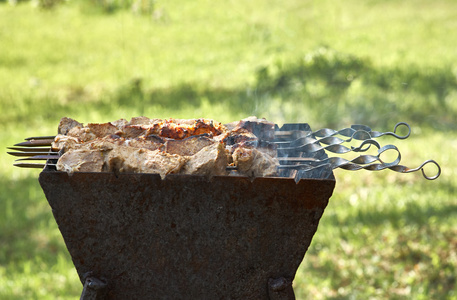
[[331, 64]]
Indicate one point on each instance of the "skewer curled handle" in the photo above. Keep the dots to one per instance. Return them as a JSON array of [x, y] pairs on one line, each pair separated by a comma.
[[421, 167], [361, 131], [403, 169], [399, 136]]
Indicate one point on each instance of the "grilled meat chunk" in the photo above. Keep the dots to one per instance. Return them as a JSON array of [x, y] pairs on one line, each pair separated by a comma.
[[151, 143], [81, 160], [210, 161], [261, 128], [103, 129], [126, 159], [141, 127], [82, 133], [181, 129], [251, 133], [164, 146], [141, 130], [240, 136], [188, 146], [93, 131], [254, 163], [120, 159], [133, 131], [120, 123], [107, 143], [65, 143], [143, 121], [66, 124]]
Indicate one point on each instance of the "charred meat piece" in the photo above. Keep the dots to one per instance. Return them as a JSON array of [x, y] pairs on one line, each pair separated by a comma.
[[181, 129], [174, 131], [203, 126], [240, 136], [141, 126]]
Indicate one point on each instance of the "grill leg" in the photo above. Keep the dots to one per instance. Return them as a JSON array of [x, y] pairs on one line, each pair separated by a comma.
[[280, 289], [94, 289]]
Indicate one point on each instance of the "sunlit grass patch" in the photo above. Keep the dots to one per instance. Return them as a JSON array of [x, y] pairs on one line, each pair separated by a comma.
[[384, 235], [387, 235]]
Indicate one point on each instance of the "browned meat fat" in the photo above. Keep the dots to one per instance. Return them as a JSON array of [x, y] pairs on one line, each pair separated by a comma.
[[142, 121], [260, 128], [120, 123], [181, 129], [102, 130], [188, 146], [167, 146], [138, 130], [65, 143], [254, 163], [210, 161], [126, 159], [81, 160], [150, 143], [66, 124]]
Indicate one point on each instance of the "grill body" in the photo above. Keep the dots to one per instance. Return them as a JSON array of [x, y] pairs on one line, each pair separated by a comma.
[[186, 236]]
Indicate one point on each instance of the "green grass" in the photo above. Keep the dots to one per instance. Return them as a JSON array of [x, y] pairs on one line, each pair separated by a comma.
[[383, 236], [395, 233]]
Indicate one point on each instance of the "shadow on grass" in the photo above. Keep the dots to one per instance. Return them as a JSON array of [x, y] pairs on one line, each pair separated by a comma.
[[330, 86], [326, 88], [412, 213]]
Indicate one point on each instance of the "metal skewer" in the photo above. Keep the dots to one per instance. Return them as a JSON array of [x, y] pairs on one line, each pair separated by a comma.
[[34, 153], [36, 143], [305, 142], [30, 165], [30, 149], [372, 167], [348, 166], [40, 157], [358, 132], [47, 137]]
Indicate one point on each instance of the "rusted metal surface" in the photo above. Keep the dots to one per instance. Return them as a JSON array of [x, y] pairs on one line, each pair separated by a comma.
[[94, 288], [280, 289], [187, 237]]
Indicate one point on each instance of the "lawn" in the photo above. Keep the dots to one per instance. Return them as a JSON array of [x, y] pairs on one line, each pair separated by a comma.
[[384, 235]]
